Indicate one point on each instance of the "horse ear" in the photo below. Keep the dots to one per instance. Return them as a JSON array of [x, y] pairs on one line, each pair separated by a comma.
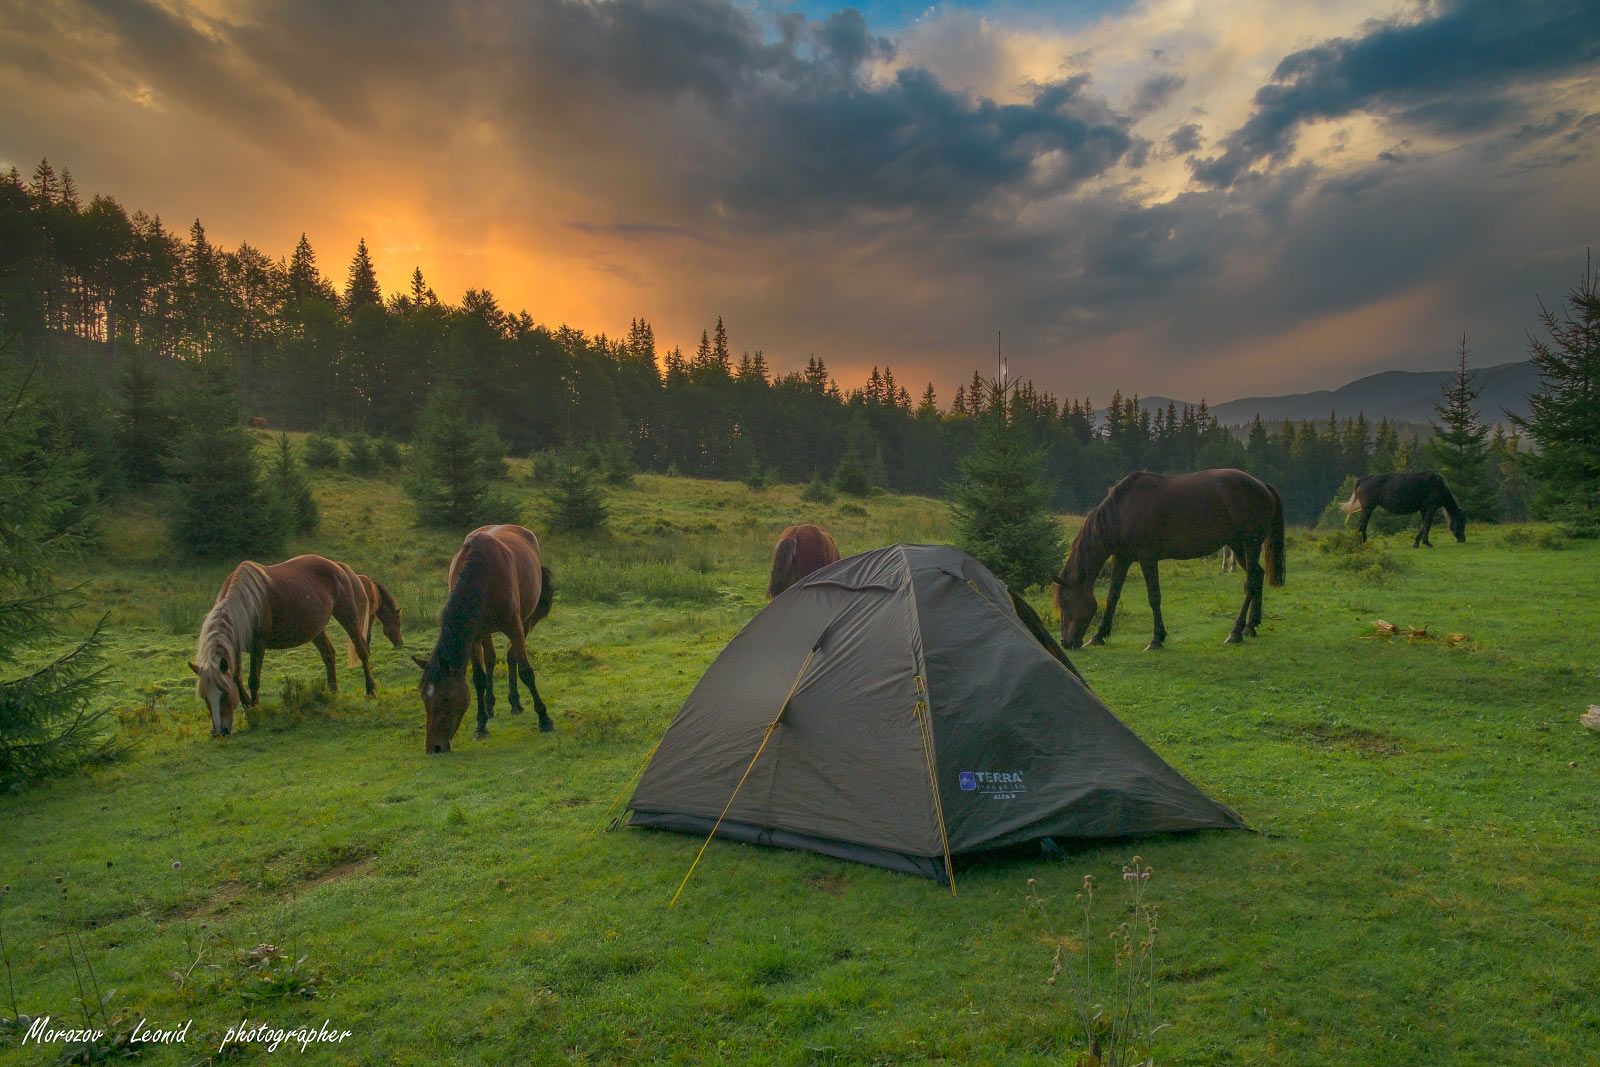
[[192, 667], [420, 661]]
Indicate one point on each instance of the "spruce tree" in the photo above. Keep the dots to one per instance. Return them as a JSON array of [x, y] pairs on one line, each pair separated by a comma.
[[146, 423], [1460, 443], [287, 481], [454, 462], [48, 723], [574, 503], [1565, 418], [1002, 502], [361, 284], [222, 507]]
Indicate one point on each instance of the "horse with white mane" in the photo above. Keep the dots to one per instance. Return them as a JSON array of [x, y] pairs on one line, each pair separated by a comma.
[[282, 606]]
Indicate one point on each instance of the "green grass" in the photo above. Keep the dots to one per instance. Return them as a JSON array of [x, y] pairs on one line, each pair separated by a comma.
[[1424, 891]]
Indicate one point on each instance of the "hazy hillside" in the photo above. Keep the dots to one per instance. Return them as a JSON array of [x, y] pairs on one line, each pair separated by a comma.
[[1405, 396]]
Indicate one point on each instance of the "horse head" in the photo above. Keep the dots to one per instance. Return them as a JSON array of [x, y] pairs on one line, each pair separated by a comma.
[[388, 614], [444, 698], [1077, 606], [217, 690], [1458, 526]]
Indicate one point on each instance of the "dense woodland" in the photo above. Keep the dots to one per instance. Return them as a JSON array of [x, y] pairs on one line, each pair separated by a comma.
[[128, 316]]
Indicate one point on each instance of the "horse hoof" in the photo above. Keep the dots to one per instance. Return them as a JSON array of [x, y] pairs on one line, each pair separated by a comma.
[[1154, 646], [1096, 641], [546, 726], [516, 709], [480, 734], [1233, 639]]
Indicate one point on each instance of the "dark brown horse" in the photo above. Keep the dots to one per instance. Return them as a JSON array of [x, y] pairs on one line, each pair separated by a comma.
[[800, 550], [497, 585], [1405, 494], [1148, 517], [281, 606]]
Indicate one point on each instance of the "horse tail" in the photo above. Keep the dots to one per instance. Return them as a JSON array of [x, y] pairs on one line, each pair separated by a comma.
[[1353, 505], [547, 595], [783, 566], [1275, 541]]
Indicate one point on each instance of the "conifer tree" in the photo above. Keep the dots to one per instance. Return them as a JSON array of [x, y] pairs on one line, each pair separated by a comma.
[[48, 723], [361, 285], [574, 502], [1460, 442], [287, 481], [222, 507], [146, 423], [1002, 499], [452, 470], [1565, 418]]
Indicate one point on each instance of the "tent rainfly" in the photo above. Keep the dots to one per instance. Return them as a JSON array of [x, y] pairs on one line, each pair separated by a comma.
[[894, 708]]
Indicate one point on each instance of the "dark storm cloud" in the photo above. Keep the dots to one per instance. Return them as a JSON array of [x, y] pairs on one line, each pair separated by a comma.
[[1455, 72], [1184, 139], [793, 174], [1155, 91]]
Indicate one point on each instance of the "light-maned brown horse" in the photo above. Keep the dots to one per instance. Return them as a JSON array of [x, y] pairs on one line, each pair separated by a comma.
[[283, 605], [498, 584], [800, 550], [1148, 517]]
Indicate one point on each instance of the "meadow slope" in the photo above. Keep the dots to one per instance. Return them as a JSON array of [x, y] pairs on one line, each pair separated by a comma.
[[1424, 889]]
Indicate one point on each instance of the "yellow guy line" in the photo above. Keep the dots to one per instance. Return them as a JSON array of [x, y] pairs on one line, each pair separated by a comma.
[[605, 820], [926, 726], [765, 737]]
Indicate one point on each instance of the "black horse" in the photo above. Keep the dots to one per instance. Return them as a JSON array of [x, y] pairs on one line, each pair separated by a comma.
[[1146, 518], [1403, 494]]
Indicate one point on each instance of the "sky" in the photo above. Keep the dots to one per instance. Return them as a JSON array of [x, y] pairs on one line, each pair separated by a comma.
[[1191, 198]]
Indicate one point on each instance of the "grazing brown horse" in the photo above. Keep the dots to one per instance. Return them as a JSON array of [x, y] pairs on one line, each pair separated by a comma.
[[1404, 494], [384, 609], [281, 606], [1148, 517], [800, 550], [497, 585]]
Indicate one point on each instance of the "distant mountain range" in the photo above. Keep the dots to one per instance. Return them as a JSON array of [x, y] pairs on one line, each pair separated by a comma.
[[1400, 395]]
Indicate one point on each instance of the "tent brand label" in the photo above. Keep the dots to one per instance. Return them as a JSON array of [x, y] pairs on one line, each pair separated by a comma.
[[996, 785]]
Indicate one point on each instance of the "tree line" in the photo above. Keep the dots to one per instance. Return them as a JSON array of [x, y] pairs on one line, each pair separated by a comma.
[[150, 308]]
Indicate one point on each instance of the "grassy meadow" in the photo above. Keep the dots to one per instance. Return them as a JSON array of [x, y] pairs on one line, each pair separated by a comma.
[[1425, 888]]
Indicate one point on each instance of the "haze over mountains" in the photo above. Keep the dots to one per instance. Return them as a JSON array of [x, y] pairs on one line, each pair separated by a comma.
[[1400, 395]]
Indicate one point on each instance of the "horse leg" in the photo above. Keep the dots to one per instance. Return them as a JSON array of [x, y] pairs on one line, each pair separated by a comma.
[[517, 661], [1152, 588], [351, 622], [511, 674], [1255, 582], [482, 684], [1252, 567], [1119, 572], [325, 647], [1366, 517], [257, 654], [1427, 527]]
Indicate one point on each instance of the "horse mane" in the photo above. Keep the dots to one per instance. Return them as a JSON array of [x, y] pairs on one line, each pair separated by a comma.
[[1099, 528], [230, 625], [460, 612], [385, 598]]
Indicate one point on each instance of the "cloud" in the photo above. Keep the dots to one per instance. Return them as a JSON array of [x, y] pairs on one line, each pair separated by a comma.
[[1457, 70], [868, 197]]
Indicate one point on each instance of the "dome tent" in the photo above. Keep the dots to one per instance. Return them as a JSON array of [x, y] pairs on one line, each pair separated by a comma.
[[895, 709]]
